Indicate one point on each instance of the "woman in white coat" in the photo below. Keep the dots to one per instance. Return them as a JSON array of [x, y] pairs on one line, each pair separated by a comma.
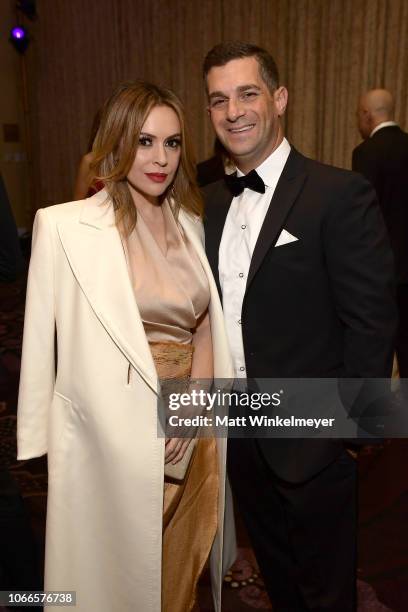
[[120, 296]]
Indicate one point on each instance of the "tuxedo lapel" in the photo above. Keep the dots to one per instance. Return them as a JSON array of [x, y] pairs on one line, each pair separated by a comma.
[[96, 256], [287, 190], [214, 221]]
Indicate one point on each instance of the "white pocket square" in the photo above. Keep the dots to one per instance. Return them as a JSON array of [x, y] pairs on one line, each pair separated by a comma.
[[285, 238]]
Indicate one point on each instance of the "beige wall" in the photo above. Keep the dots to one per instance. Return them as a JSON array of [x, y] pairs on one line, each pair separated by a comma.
[[13, 155]]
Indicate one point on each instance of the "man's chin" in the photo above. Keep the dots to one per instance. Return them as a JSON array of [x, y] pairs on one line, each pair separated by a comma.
[[239, 151]]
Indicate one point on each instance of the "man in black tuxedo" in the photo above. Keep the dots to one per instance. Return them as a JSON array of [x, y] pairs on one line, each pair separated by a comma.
[[383, 159], [300, 253]]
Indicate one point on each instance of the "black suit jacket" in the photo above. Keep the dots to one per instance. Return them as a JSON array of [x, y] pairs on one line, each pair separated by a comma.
[[383, 160], [321, 306]]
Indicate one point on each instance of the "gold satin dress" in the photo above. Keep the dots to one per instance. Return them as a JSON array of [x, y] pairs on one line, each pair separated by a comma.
[[172, 293]]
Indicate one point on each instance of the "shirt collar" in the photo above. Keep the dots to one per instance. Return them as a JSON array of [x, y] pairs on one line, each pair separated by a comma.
[[382, 125], [273, 165]]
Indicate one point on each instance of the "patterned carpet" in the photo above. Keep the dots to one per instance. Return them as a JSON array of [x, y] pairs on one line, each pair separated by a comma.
[[383, 532]]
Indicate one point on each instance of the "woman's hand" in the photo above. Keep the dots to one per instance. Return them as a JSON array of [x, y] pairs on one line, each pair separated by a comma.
[[175, 449]]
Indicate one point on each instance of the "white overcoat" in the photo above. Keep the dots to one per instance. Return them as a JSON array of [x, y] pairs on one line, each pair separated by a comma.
[[82, 336]]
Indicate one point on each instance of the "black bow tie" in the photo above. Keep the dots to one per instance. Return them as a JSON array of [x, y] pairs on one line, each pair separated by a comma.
[[237, 184]]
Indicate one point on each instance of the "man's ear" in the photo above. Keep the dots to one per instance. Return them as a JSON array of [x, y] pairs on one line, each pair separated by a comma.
[[281, 100]]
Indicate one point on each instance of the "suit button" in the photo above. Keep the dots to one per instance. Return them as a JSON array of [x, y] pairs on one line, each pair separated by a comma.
[[241, 275]]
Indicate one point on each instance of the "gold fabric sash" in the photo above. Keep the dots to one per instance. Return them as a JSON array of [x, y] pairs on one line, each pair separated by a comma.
[[190, 508]]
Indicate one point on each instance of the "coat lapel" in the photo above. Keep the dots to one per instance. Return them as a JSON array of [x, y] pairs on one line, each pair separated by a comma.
[[223, 368], [287, 190], [95, 252]]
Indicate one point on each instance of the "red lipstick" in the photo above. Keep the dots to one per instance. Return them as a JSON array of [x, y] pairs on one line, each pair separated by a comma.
[[156, 177]]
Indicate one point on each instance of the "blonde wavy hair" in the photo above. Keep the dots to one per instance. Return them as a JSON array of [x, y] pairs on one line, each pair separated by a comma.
[[116, 142]]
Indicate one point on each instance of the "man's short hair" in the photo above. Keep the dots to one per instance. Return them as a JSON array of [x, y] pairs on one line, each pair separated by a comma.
[[224, 52]]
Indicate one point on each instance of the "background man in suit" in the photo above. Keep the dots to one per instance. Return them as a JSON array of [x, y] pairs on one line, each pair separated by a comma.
[[214, 168], [383, 159], [300, 253]]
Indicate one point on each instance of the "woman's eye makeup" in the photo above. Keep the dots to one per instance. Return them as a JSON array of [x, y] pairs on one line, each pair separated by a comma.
[[145, 141], [173, 143]]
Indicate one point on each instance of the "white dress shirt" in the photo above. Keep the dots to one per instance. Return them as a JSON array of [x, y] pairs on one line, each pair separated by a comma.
[[241, 230], [382, 125]]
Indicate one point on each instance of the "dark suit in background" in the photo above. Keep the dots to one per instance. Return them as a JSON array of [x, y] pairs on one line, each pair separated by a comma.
[[321, 306], [383, 160], [11, 260], [213, 169], [210, 170]]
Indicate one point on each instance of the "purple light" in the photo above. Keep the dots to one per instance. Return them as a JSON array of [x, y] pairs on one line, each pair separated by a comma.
[[18, 33]]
